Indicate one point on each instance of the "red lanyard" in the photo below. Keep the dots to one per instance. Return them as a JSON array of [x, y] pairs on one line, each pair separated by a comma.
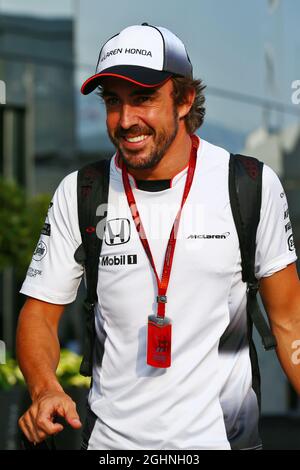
[[162, 285]]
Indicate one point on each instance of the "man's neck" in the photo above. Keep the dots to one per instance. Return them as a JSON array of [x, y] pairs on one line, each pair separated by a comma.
[[173, 162]]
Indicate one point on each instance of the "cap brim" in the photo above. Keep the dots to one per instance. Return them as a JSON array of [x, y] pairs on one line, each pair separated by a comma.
[[141, 76]]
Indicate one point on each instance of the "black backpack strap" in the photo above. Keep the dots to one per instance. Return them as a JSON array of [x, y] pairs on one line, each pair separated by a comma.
[[92, 191], [245, 188]]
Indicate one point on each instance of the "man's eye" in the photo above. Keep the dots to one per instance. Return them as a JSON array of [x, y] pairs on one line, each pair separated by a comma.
[[112, 101], [143, 99]]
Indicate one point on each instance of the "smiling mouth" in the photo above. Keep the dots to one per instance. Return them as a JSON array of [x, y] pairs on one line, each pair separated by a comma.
[[138, 138]]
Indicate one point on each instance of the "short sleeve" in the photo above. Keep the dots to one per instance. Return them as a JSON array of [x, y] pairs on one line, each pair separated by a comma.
[[274, 241], [54, 275]]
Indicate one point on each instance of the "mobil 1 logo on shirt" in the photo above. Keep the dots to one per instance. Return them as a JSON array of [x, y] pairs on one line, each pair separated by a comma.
[[118, 260]]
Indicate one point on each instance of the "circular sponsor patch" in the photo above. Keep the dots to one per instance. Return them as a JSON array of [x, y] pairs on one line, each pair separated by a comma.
[[291, 243], [40, 251]]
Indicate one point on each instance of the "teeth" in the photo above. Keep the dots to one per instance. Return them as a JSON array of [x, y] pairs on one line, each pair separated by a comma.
[[138, 138]]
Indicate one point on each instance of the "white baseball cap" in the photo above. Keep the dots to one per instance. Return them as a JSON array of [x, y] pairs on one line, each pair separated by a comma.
[[143, 54]]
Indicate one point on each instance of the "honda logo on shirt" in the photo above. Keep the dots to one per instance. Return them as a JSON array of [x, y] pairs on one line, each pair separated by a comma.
[[117, 231]]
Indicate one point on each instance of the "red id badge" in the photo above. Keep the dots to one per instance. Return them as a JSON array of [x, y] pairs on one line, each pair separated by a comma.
[[159, 342]]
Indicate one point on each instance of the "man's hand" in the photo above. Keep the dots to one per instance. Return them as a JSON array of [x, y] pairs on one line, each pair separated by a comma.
[[38, 422]]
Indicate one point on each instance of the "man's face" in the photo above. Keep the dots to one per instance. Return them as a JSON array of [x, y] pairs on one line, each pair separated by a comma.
[[141, 122]]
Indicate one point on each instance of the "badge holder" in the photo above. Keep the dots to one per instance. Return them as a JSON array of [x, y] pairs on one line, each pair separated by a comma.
[[159, 341]]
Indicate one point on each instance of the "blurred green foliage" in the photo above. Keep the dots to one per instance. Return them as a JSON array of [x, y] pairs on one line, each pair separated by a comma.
[[67, 372], [21, 220], [10, 375]]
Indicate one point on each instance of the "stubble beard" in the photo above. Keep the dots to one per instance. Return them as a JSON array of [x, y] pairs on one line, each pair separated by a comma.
[[162, 141]]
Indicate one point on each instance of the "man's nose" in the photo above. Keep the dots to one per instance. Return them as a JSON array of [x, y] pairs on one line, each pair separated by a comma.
[[128, 116]]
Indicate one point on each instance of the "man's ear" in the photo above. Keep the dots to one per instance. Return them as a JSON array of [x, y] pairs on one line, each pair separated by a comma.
[[185, 106]]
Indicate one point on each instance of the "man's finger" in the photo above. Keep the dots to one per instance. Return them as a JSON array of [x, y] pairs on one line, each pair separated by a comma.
[[71, 416], [74, 422], [44, 423], [28, 430]]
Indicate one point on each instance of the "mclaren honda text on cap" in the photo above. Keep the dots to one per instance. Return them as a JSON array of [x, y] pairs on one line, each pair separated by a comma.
[[143, 54]]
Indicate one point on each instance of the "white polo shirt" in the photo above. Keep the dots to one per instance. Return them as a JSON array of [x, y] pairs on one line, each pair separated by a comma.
[[205, 399]]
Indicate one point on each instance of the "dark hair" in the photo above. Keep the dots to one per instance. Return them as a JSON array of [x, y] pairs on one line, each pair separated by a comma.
[[194, 119]]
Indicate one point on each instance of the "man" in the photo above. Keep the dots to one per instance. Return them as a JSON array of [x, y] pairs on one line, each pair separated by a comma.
[[197, 393]]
